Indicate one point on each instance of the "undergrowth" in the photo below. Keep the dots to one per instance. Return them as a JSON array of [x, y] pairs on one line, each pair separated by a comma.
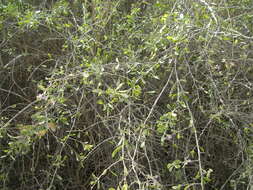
[[126, 94]]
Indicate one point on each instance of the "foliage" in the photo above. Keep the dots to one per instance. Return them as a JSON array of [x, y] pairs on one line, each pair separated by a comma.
[[126, 94]]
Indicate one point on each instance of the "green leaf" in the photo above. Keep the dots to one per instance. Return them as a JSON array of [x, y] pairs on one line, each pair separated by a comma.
[[187, 187], [178, 187], [116, 151], [87, 147], [100, 102], [125, 187]]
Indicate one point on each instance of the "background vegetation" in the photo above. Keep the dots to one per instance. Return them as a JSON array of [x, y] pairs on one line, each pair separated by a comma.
[[125, 94]]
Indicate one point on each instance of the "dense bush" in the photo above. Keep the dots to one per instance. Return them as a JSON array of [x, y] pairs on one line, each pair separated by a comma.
[[123, 94]]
